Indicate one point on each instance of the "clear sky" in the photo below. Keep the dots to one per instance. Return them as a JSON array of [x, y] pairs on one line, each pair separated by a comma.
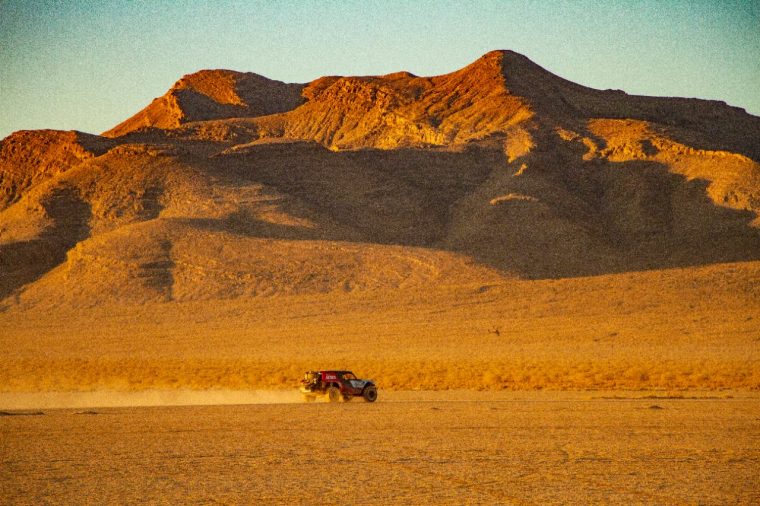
[[89, 64]]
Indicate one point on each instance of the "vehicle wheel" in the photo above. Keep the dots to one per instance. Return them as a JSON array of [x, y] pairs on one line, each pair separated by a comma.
[[370, 394], [333, 394]]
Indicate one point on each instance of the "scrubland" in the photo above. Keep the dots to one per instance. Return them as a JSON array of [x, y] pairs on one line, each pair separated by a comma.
[[668, 330]]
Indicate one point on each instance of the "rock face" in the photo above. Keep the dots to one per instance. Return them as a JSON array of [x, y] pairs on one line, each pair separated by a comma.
[[235, 185], [29, 157], [213, 94]]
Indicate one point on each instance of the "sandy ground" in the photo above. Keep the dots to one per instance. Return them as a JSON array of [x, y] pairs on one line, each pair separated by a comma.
[[408, 448]]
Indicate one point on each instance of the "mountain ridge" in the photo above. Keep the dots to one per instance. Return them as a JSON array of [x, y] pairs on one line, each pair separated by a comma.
[[500, 89], [499, 169], [212, 94]]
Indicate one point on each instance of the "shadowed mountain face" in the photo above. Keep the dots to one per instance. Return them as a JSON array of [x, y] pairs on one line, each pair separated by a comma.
[[235, 185]]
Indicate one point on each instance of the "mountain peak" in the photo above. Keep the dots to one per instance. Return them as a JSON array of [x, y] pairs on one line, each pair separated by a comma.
[[489, 96], [213, 94], [501, 54], [502, 161], [217, 84], [503, 58]]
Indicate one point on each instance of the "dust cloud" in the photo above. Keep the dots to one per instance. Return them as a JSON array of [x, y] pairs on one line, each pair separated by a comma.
[[111, 398]]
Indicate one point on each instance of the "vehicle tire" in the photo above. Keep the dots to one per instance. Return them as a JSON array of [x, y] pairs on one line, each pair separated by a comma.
[[370, 394], [333, 394]]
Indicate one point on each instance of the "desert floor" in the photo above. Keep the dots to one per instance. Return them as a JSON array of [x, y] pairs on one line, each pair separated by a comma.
[[674, 329], [527, 391], [408, 448]]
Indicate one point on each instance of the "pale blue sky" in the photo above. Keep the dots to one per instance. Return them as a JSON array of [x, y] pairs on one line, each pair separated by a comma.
[[87, 65]]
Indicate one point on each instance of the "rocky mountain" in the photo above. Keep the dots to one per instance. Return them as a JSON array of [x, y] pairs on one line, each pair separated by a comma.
[[213, 94], [234, 185]]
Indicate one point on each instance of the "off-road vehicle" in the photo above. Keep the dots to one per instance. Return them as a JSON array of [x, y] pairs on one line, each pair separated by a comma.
[[336, 385]]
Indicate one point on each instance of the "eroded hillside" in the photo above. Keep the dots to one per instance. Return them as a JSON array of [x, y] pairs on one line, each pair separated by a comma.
[[233, 185]]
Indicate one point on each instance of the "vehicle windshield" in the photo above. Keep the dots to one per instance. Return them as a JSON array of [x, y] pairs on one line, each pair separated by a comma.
[[349, 376]]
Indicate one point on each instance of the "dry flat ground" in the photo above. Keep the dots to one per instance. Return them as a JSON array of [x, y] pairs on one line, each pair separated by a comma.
[[408, 448]]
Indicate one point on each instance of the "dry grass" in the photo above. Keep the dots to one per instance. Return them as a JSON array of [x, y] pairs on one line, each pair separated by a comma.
[[211, 373], [676, 329]]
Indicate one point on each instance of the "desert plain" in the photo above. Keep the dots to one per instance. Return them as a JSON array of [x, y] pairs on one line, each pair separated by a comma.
[[407, 448], [607, 390], [555, 288]]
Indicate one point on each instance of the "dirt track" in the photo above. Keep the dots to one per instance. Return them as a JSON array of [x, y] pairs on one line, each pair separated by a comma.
[[408, 448]]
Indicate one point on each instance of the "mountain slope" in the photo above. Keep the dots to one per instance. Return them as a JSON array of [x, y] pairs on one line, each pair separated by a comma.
[[213, 94], [29, 157], [233, 185], [494, 95]]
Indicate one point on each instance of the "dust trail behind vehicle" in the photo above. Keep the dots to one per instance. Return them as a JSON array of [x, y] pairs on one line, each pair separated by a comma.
[[113, 398]]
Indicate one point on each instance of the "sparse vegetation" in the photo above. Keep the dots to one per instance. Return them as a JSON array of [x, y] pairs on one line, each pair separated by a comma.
[[434, 339], [391, 224]]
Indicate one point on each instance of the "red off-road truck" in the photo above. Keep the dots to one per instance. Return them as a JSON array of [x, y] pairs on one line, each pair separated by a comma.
[[337, 385]]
